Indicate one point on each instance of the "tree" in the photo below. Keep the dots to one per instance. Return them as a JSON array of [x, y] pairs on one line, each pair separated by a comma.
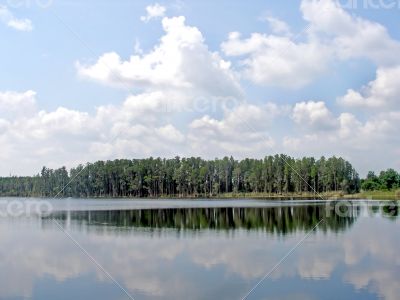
[[196, 177]]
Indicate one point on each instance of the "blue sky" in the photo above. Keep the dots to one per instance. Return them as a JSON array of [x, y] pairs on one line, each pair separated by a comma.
[[73, 30], [301, 77]]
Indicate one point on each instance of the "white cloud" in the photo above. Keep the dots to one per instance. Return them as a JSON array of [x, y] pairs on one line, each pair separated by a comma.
[[14, 103], [332, 34], [361, 142], [181, 61], [68, 137], [349, 124], [7, 17], [381, 93], [138, 128], [314, 115], [242, 132], [175, 76], [21, 25], [181, 72], [351, 36], [278, 26], [153, 11], [278, 60]]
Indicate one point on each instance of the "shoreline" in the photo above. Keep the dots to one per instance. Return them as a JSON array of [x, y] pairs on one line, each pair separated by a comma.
[[374, 195]]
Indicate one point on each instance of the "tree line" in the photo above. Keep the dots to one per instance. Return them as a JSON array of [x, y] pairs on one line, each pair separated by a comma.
[[188, 177], [386, 181]]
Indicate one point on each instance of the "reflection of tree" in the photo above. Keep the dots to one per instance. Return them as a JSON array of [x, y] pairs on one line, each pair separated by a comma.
[[391, 210], [279, 220]]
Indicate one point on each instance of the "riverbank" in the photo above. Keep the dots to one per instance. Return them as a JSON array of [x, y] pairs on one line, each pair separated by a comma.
[[371, 195], [376, 195]]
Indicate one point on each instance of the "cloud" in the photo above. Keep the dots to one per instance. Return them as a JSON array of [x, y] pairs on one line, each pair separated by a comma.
[[293, 61], [141, 126], [15, 103], [278, 60], [181, 61], [242, 132], [278, 26], [361, 142], [180, 84], [153, 11], [381, 93], [314, 115], [68, 137], [7, 17], [178, 75], [351, 36]]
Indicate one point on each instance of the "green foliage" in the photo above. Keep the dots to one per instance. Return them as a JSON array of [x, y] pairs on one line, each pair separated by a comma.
[[386, 181], [188, 177]]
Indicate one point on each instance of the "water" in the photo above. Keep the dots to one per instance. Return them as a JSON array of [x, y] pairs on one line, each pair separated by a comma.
[[200, 250]]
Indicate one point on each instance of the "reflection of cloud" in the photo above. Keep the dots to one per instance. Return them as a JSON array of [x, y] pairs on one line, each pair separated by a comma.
[[237, 258], [378, 243], [318, 268], [31, 257], [179, 265], [383, 281], [297, 296]]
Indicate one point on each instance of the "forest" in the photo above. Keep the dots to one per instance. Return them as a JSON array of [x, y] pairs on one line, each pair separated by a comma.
[[386, 181], [188, 177]]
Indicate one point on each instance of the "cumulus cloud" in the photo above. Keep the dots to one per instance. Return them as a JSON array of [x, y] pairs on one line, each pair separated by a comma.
[[7, 17], [314, 115], [138, 127], [351, 36], [153, 11], [242, 131], [68, 137], [175, 76], [278, 60], [293, 61], [361, 142], [12, 103], [181, 74], [181, 61], [381, 93]]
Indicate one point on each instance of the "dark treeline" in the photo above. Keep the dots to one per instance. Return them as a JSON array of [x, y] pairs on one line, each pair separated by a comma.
[[188, 177]]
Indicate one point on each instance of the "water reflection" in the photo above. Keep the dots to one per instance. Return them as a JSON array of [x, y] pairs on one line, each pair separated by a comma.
[[391, 210], [279, 220], [204, 253]]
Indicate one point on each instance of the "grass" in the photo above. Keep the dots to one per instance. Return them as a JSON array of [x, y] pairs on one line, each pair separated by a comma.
[[376, 195], [373, 195], [274, 196]]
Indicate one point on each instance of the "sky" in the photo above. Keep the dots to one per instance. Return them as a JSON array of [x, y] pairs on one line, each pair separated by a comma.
[[95, 80]]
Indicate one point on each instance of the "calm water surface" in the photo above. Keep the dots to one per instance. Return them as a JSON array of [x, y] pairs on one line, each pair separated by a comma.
[[201, 250]]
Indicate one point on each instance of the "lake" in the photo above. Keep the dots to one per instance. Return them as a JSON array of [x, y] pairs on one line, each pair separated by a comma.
[[218, 249]]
